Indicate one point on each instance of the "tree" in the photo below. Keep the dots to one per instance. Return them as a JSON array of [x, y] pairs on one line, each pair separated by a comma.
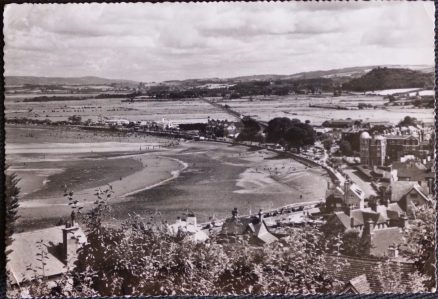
[[420, 243], [295, 137], [352, 244], [408, 121], [75, 119], [11, 206], [345, 148], [144, 259], [390, 276], [136, 260], [379, 129], [291, 132], [250, 130], [327, 142], [139, 258]]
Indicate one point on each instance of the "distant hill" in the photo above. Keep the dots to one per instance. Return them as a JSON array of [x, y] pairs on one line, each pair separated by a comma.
[[89, 80], [391, 78], [337, 75], [342, 75], [343, 72]]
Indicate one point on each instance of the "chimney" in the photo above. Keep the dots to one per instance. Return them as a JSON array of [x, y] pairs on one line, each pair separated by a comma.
[[260, 215], [347, 210], [70, 244], [346, 191], [373, 204], [367, 236], [191, 219], [351, 222], [369, 226], [234, 213], [392, 251], [430, 185], [424, 184], [403, 221]]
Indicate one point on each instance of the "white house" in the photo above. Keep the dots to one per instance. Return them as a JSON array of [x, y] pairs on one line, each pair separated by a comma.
[[189, 227]]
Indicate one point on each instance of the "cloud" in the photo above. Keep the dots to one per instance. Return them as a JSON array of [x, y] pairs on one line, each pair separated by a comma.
[[154, 42]]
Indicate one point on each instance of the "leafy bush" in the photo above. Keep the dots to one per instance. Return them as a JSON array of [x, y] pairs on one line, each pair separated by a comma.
[[140, 258]]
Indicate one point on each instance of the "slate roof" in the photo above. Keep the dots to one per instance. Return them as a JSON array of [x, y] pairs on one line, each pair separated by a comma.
[[338, 191], [359, 285], [343, 218], [401, 188], [394, 211], [262, 233], [355, 267], [395, 207], [400, 137], [413, 171], [236, 226], [422, 192], [25, 250], [383, 238], [252, 225], [360, 216], [357, 191]]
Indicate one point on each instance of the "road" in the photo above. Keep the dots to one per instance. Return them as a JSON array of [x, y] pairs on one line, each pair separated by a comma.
[[234, 113], [364, 185]]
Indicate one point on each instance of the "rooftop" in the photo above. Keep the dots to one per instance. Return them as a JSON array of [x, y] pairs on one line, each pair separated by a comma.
[[359, 285], [355, 267], [383, 238], [400, 137], [414, 171], [25, 252], [401, 188]]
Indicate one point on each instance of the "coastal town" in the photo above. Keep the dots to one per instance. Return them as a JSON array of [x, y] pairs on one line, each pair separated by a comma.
[[379, 175], [245, 150]]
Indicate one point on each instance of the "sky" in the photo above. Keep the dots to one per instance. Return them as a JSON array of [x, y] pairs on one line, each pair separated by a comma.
[[172, 41]]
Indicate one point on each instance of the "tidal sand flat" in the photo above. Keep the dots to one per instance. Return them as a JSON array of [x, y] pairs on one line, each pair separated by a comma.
[[45, 169], [125, 175], [214, 183], [204, 177], [22, 134]]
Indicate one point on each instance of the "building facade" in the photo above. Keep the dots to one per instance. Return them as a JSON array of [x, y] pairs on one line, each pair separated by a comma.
[[372, 149], [378, 150], [401, 145]]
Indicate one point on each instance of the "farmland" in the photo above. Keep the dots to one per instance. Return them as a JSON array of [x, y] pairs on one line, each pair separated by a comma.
[[183, 111], [297, 106], [196, 110]]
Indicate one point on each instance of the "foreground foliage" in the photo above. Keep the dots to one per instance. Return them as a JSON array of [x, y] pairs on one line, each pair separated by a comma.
[[11, 206], [140, 258]]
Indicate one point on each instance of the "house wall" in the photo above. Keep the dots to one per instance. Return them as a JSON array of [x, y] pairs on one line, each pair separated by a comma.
[[397, 148], [377, 152], [365, 151], [414, 197]]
